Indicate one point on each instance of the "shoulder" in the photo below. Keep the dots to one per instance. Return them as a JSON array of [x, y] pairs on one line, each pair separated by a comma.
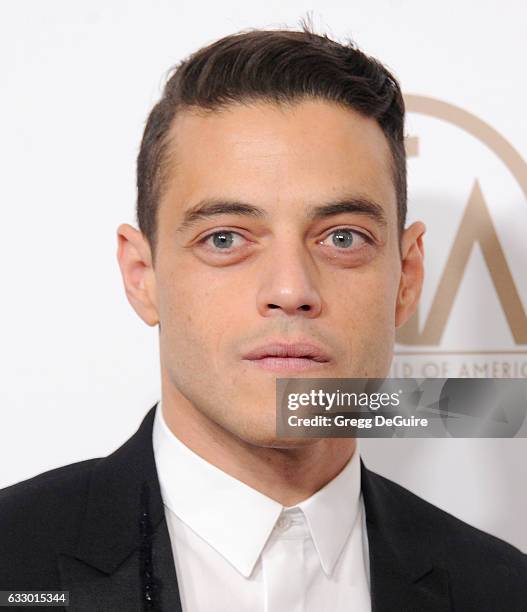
[[39, 517], [477, 562], [56, 488], [457, 532]]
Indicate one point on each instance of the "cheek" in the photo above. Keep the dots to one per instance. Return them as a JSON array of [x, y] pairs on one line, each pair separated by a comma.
[[363, 308], [378, 323], [197, 312], [187, 311], [376, 306], [366, 299]]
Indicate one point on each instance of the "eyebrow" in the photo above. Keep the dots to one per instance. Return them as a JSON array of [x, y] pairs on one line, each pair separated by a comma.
[[208, 208]]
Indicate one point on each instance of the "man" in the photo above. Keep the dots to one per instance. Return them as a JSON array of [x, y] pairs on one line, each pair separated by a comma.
[[272, 243]]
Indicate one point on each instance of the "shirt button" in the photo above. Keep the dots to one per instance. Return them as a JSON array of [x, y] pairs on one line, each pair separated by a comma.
[[283, 523]]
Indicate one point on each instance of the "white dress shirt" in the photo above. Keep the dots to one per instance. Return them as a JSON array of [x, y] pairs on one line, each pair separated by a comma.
[[238, 550]]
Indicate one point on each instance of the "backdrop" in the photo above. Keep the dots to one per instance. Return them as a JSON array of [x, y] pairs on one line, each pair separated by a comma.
[[78, 80]]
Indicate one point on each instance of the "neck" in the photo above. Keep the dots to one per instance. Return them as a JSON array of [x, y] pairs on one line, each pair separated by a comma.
[[288, 475]]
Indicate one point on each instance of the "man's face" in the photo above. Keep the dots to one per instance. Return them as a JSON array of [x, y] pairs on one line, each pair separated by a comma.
[[231, 282]]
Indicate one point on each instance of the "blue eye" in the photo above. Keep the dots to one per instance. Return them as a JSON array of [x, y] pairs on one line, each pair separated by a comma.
[[222, 240], [344, 238]]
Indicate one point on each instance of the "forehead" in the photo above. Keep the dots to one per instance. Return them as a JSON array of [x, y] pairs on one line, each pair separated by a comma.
[[280, 157]]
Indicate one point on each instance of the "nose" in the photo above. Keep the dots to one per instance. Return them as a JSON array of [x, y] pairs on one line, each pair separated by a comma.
[[289, 285]]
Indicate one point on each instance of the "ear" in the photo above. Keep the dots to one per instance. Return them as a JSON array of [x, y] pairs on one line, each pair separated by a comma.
[[412, 272], [135, 261]]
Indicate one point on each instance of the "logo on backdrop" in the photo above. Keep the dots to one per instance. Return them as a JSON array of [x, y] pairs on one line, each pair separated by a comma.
[[489, 337]]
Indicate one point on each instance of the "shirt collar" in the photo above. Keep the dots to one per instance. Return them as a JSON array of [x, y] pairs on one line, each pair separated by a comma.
[[237, 520]]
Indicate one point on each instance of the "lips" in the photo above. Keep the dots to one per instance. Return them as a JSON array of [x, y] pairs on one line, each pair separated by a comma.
[[289, 351]]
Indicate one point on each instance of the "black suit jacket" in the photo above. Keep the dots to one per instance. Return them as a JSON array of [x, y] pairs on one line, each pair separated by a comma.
[[97, 529]]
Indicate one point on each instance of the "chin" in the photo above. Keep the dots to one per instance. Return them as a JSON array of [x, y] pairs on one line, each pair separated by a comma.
[[292, 443], [270, 440], [260, 430]]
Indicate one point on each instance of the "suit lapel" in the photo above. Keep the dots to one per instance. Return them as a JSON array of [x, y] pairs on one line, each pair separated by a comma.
[[123, 557], [406, 563]]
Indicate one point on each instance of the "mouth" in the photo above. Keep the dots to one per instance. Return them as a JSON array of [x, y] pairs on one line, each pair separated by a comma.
[[288, 357]]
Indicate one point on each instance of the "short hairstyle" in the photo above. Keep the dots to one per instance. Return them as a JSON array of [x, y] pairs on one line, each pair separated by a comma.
[[280, 66]]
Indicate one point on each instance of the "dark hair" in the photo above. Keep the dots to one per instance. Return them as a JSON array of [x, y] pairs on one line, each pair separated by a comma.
[[280, 66]]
